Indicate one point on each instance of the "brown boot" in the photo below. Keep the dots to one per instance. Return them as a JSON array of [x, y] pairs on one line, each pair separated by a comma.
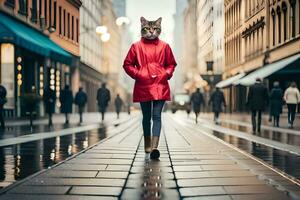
[[155, 153], [147, 144]]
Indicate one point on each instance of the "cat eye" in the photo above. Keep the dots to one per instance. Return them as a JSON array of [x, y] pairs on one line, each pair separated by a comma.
[[146, 28]]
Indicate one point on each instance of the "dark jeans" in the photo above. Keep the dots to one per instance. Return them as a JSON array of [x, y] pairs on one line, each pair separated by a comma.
[[291, 112], [216, 116], [102, 110], [154, 109], [80, 110], [256, 124], [2, 118], [276, 120]]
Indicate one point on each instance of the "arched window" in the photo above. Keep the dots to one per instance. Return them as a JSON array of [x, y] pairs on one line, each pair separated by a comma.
[[274, 25], [279, 23], [293, 17], [285, 28]]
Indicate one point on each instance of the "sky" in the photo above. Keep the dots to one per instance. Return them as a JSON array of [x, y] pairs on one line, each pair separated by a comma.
[[151, 10]]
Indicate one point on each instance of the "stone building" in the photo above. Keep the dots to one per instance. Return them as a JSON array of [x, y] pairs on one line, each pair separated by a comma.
[[90, 51], [267, 46], [190, 47], [210, 34], [39, 48]]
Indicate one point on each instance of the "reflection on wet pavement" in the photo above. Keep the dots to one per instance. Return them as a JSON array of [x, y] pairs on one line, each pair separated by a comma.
[[273, 135], [287, 162], [20, 161], [15, 131], [151, 180]]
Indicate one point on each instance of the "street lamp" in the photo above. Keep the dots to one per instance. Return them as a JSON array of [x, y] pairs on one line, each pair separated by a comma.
[[122, 20], [101, 30], [105, 37]]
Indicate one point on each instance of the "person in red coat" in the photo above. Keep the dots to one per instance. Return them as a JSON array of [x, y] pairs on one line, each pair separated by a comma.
[[150, 62]]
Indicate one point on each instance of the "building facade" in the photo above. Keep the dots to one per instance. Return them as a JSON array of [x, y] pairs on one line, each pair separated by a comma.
[[179, 49], [39, 48], [190, 47], [111, 60], [259, 34], [210, 34], [90, 51]]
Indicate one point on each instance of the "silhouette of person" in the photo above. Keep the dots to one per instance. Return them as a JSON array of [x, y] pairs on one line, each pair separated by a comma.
[[103, 98], [80, 101]]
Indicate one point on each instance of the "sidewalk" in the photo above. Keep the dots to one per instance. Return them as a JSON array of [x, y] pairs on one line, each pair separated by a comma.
[[21, 127], [193, 164], [246, 117]]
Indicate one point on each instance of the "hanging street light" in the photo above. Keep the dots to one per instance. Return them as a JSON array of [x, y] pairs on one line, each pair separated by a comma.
[[105, 37], [122, 20], [101, 30]]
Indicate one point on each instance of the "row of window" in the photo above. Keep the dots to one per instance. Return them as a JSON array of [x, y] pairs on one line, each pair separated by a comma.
[[284, 21], [233, 50], [252, 6], [68, 25], [232, 16]]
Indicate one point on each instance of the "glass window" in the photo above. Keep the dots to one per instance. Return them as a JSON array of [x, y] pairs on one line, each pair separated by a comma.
[[60, 20], [64, 22], [23, 7], [10, 3], [68, 25], [34, 11], [7, 78], [54, 14], [72, 35]]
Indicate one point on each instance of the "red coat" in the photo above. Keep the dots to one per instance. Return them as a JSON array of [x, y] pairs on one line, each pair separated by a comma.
[[151, 63]]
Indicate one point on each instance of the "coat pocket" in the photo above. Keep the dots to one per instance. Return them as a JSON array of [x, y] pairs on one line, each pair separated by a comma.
[[143, 77]]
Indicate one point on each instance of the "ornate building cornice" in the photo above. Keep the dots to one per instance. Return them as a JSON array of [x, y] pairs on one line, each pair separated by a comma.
[[256, 25]]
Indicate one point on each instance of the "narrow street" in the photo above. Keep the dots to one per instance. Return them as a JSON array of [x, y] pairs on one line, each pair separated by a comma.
[[197, 160]]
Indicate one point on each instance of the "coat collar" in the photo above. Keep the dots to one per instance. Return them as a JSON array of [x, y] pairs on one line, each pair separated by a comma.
[[155, 41]]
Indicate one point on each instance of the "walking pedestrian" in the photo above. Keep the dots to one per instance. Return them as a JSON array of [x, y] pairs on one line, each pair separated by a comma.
[[118, 105], [80, 101], [257, 100], [103, 97], [151, 63], [49, 100], [66, 100], [276, 102], [217, 100], [197, 101], [3, 101], [292, 98]]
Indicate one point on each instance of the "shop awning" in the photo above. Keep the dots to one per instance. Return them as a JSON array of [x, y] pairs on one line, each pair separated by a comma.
[[230, 81], [16, 32], [266, 71]]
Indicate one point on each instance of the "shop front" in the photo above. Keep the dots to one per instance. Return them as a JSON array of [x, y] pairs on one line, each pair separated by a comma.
[[30, 62]]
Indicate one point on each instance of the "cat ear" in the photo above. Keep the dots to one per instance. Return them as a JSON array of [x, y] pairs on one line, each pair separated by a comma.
[[143, 21], [158, 21]]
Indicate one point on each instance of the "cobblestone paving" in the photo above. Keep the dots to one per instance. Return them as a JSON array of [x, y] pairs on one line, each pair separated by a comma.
[[193, 165]]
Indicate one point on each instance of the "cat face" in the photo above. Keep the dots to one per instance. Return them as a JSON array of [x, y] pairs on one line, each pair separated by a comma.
[[150, 29]]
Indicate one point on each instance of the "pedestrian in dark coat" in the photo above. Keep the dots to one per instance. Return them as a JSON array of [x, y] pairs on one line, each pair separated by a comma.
[[80, 101], [217, 100], [118, 105], [3, 100], [103, 97], [49, 100], [66, 100], [197, 100], [257, 100], [276, 102]]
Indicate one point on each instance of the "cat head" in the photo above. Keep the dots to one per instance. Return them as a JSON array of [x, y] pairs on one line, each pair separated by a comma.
[[150, 29]]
